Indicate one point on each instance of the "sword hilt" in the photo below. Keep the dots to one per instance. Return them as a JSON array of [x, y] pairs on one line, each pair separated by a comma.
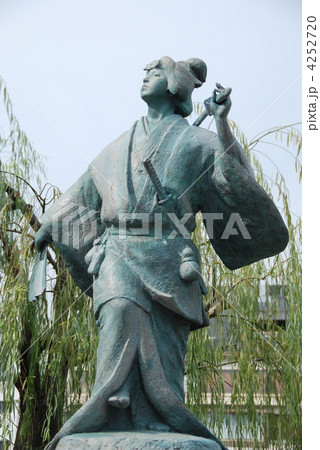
[[164, 197], [218, 97]]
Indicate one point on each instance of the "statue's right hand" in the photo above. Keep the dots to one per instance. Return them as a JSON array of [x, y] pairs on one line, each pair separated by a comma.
[[42, 238], [220, 103]]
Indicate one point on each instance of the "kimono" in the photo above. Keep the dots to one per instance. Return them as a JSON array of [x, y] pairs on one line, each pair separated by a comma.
[[142, 299]]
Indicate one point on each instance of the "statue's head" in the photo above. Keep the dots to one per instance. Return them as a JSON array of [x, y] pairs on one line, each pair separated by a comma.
[[178, 79]]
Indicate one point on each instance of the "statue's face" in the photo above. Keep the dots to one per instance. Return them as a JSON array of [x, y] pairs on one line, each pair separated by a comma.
[[155, 85]]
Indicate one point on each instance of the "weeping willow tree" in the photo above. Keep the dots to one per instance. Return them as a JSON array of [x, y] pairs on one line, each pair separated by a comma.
[[244, 371], [47, 348]]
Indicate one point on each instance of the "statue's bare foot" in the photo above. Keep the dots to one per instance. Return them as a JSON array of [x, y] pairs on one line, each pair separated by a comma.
[[121, 398], [119, 402]]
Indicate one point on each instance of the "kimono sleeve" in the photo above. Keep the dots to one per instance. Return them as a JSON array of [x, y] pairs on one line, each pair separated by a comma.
[[246, 225], [74, 223]]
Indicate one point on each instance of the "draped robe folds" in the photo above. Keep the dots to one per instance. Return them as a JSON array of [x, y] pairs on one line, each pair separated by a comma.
[[141, 272]]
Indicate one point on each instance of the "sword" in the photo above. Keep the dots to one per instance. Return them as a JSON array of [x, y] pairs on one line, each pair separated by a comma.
[[164, 197], [220, 98], [37, 284]]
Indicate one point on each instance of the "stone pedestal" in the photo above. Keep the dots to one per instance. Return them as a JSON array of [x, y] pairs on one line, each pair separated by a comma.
[[134, 440]]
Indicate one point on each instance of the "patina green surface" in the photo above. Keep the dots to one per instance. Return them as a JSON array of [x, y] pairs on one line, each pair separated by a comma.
[[145, 278]]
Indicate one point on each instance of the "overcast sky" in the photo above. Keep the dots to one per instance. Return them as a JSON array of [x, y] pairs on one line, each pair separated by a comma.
[[80, 64]]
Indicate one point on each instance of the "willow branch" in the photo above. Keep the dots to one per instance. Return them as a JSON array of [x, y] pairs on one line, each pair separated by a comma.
[[25, 208], [8, 250], [261, 135], [38, 197]]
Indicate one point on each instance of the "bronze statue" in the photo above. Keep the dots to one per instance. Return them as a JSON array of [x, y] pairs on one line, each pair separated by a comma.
[[140, 263]]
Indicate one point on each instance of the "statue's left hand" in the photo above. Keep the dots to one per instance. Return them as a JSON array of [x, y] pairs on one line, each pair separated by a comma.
[[42, 238], [220, 102]]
